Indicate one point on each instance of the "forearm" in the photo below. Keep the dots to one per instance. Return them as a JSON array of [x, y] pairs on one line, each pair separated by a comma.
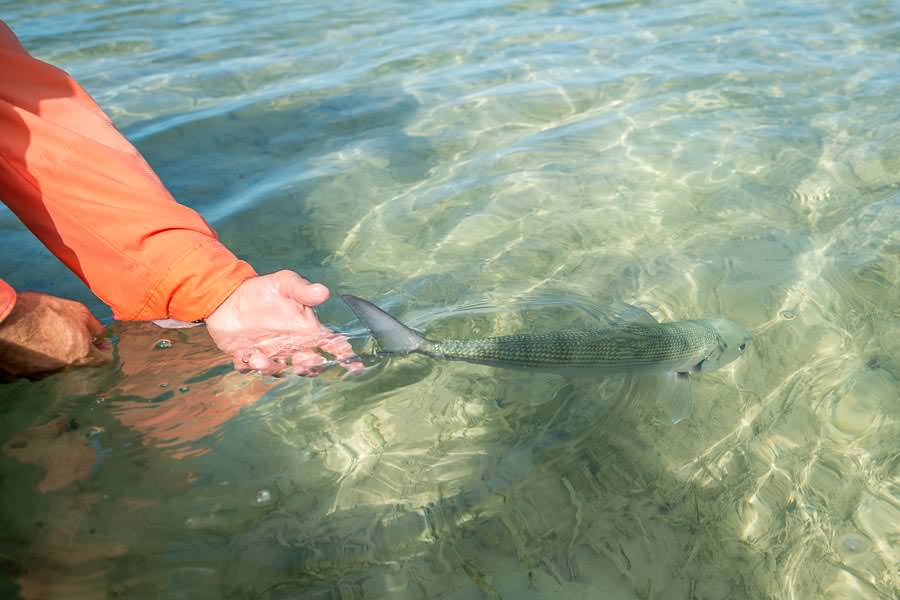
[[86, 192]]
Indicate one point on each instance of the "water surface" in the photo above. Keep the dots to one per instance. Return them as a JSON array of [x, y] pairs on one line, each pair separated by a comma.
[[455, 162]]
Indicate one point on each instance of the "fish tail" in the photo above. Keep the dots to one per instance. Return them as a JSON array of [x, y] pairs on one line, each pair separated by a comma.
[[393, 336]]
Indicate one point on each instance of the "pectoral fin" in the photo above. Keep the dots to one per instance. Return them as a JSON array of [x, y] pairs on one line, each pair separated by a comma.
[[677, 397]]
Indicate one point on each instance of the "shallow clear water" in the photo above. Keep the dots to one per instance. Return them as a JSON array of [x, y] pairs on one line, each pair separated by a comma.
[[456, 162]]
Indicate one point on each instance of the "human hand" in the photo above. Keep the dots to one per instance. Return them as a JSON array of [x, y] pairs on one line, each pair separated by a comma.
[[268, 324], [44, 333]]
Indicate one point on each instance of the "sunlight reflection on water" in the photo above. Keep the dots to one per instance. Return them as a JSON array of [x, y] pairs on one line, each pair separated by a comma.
[[454, 163]]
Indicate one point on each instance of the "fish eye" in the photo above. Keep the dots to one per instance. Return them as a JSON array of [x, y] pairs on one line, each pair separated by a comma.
[[743, 346]]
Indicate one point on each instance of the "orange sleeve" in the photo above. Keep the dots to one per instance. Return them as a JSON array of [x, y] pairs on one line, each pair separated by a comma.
[[90, 197]]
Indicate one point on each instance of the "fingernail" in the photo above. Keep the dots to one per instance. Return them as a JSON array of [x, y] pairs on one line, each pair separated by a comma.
[[355, 369], [259, 363]]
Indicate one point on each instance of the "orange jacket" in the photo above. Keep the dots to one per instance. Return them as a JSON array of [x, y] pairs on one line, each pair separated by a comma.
[[90, 197]]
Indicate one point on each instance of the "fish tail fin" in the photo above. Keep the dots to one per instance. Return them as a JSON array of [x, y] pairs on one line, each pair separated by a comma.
[[393, 336]]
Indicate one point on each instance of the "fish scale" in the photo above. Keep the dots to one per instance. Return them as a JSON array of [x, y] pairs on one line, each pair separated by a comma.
[[628, 347]]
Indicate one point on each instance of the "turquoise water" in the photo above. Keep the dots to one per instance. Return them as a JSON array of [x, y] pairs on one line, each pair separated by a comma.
[[456, 162]]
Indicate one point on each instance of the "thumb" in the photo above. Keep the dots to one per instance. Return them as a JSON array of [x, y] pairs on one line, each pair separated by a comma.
[[295, 287], [98, 333], [95, 357], [94, 326]]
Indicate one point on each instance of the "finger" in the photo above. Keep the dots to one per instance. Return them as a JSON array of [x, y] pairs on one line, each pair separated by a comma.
[[241, 360], [255, 359], [354, 366], [295, 287], [336, 345], [94, 358], [98, 332], [339, 347], [258, 361], [239, 364], [94, 326], [279, 365], [307, 362]]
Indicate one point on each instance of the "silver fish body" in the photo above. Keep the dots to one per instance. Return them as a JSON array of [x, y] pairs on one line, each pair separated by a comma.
[[681, 346]]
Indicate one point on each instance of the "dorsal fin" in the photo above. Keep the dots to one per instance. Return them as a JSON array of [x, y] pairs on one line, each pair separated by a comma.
[[630, 313]]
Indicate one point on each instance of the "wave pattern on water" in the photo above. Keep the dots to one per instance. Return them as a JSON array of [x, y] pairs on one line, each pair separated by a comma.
[[461, 163]]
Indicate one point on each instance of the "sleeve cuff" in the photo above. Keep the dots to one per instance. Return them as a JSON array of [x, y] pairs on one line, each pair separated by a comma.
[[194, 286]]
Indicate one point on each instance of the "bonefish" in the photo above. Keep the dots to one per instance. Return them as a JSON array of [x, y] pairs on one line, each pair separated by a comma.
[[637, 343]]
